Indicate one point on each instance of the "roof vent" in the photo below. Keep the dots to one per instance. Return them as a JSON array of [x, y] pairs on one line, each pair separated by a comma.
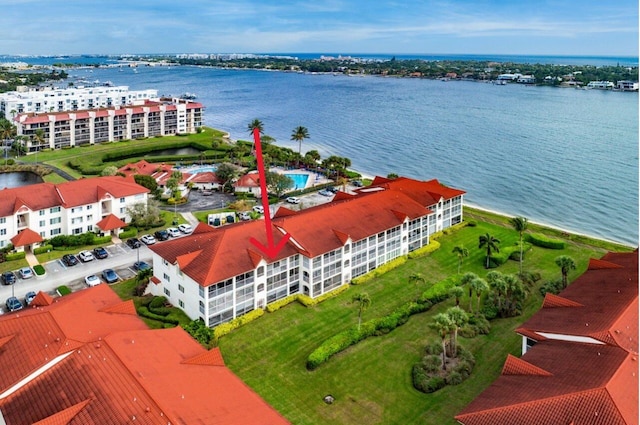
[[586, 324]]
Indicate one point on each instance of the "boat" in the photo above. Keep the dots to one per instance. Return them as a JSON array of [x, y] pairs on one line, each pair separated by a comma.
[[601, 85], [188, 96]]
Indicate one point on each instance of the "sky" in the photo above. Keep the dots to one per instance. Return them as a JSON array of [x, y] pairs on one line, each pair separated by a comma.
[[541, 27]]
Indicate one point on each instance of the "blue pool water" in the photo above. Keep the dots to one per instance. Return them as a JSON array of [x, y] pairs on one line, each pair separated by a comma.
[[299, 180], [202, 170]]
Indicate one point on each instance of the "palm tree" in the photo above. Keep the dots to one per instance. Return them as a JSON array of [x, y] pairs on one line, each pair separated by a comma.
[[466, 280], [458, 318], [462, 253], [256, 123], [417, 278], [479, 285], [496, 282], [364, 302], [443, 325], [457, 292], [299, 134], [7, 131], [490, 243], [566, 264], [520, 224], [39, 139]]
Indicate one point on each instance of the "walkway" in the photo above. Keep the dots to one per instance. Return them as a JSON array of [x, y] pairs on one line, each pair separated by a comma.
[[31, 259]]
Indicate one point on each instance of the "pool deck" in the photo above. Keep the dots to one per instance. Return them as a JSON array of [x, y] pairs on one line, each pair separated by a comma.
[[314, 178]]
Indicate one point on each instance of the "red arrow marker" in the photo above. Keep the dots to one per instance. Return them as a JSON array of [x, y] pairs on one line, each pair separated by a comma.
[[270, 250]]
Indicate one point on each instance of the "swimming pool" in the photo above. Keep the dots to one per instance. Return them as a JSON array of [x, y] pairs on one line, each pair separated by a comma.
[[197, 170], [299, 180]]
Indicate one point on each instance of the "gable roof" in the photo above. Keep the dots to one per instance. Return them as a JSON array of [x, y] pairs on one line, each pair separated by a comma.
[[110, 222], [602, 304], [87, 359], [145, 168], [426, 193], [248, 180], [26, 237]]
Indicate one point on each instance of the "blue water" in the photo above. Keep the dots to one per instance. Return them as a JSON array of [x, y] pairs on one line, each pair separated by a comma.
[[563, 157], [299, 180], [211, 169]]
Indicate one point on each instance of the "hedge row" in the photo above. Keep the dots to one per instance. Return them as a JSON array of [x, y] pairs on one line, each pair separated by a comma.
[[42, 249], [129, 233], [379, 271], [130, 151], [39, 269], [352, 336], [544, 241], [225, 328], [508, 253], [145, 312], [425, 250], [440, 291], [11, 256], [307, 301], [277, 305]]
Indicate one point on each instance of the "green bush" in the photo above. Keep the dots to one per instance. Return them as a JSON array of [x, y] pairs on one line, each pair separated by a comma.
[[440, 291], [307, 301], [552, 286], [472, 223], [425, 250], [10, 161], [42, 249], [63, 290], [379, 271], [128, 233], [144, 312], [11, 256], [39, 270], [225, 328], [99, 240], [277, 305], [432, 363], [158, 301], [544, 241]]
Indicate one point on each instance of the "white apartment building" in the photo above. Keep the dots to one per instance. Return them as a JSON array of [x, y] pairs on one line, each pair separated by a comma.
[[68, 208], [142, 119], [218, 274], [53, 99]]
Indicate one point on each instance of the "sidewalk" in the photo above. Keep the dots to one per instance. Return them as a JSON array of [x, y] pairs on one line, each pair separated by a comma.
[[193, 221], [31, 259]]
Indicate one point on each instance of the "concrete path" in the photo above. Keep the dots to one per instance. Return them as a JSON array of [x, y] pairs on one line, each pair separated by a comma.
[[31, 259], [193, 221]]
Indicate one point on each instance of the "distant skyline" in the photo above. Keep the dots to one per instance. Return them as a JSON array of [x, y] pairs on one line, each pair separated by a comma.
[[544, 27]]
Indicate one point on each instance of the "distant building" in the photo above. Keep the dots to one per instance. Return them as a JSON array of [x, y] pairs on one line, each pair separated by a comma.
[[143, 119], [217, 274], [526, 79], [87, 358], [626, 85], [601, 85], [48, 99], [580, 356], [42, 211]]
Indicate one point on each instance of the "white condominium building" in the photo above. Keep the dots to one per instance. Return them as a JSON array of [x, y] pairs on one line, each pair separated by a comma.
[[218, 274], [51, 99], [142, 119]]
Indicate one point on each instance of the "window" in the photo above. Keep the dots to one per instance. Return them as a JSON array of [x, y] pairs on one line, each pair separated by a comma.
[[43, 223], [201, 292], [181, 303], [89, 207], [122, 200], [3, 232], [41, 212], [54, 210], [77, 231], [122, 210], [90, 217], [3, 220], [261, 271], [180, 288], [167, 292], [55, 220], [55, 231], [166, 277]]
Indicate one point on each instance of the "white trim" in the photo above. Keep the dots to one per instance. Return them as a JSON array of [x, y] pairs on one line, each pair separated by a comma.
[[572, 338], [35, 374]]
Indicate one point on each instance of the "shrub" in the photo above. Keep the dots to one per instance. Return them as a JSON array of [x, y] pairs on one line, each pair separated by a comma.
[[144, 312], [425, 250], [379, 271], [128, 233], [42, 249], [10, 161], [225, 328], [432, 363], [472, 223], [544, 241], [158, 301], [454, 378], [439, 292], [11, 256], [425, 383], [552, 286], [39, 270], [307, 301], [490, 311], [277, 305], [63, 290]]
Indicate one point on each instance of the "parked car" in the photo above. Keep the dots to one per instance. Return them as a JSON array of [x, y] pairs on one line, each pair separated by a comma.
[[26, 273], [259, 209], [148, 240], [69, 260], [244, 216], [110, 276], [134, 243], [161, 235], [357, 183], [29, 297], [14, 304], [173, 232], [85, 256], [185, 228], [8, 278], [92, 280], [140, 266], [100, 253], [333, 189], [293, 200], [325, 192]]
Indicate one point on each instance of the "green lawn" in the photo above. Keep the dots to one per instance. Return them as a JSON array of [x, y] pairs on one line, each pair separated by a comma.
[[371, 381]]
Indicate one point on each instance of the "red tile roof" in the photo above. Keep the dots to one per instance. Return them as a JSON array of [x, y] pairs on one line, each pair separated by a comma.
[[248, 180], [602, 304], [110, 222], [567, 393], [145, 168], [110, 368], [426, 193], [26, 237], [210, 255]]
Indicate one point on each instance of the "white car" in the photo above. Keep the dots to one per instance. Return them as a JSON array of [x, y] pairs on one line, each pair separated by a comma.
[[293, 200], [244, 216], [173, 232], [26, 273], [259, 209], [185, 228], [148, 240], [92, 280], [85, 256]]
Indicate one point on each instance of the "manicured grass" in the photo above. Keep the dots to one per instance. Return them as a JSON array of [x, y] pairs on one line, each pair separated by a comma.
[[54, 178], [371, 381]]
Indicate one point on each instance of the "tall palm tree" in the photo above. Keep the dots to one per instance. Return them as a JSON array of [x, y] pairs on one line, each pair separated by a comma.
[[520, 224], [458, 319], [490, 243], [462, 253], [7, 131], [38, 138], [363, 301], [466, 280], [443, 325], [496, 282], [457, 292], [256, 123], [299, 134], [479, 285], [566, 264]]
